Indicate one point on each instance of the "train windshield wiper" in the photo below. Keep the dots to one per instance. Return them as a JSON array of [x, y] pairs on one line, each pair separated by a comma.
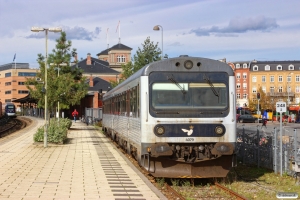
[[211, 86], [178, 85]]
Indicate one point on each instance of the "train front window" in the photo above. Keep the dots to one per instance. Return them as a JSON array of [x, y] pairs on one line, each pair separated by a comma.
[[181, 95]]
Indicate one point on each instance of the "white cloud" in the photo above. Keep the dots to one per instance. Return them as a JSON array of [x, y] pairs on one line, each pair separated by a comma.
[[264, 30], [239, 25]]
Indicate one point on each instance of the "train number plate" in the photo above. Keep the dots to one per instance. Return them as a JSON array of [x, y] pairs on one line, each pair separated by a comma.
[[190, 139]]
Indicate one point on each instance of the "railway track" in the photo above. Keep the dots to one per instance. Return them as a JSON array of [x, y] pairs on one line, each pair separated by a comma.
[[230, 192], [10, 125], [174, 194]]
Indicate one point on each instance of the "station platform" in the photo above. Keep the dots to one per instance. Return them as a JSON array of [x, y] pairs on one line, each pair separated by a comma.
[[88, 166]]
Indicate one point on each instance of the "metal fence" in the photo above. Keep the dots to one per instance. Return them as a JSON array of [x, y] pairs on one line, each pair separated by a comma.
[[92, 115], [264, 151]]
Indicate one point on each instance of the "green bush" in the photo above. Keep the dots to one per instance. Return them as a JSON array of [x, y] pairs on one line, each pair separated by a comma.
[[57, 131], [39, 135]]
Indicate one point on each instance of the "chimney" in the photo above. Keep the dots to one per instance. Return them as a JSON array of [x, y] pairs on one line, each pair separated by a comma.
[[88, 59], [91, 81]]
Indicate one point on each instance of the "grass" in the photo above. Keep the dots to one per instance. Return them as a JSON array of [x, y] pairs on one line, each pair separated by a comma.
[[259, 183], [248, 181]]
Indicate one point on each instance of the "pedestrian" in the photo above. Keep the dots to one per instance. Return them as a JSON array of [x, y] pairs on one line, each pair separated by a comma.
[[264, 121], [75, 114]]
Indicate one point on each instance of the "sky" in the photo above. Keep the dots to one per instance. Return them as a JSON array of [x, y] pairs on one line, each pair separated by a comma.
[[264, 30]]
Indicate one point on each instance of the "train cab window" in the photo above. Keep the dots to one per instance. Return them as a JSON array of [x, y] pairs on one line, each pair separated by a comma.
[[189, 96]]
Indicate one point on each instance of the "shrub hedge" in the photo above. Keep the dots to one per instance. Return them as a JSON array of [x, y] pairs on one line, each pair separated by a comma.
[[57, 131]]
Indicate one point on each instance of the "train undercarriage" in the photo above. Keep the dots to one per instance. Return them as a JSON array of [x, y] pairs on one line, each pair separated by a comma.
[[205, 160]]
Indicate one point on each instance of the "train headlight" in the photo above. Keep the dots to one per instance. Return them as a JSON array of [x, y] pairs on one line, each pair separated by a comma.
[[159, 130], [219, 130], [188, 64]]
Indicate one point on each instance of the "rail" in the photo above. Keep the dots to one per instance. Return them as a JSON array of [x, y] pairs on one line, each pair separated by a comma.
[[9, 125], [174, 192], [232, 193]]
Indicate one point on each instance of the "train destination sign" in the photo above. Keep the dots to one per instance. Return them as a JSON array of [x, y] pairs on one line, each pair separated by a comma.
[[280, 106]]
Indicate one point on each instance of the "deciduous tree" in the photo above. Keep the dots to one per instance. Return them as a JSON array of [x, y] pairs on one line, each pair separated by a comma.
[[65, 84]]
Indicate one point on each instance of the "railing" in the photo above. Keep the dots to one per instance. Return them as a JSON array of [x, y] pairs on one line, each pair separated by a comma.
[[92, 116], [281, 94], [264, 151]]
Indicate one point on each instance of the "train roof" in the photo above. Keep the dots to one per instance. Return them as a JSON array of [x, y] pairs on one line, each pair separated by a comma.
[[171, 64]]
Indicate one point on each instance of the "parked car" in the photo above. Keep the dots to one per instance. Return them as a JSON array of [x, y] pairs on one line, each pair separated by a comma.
[[247, 118]]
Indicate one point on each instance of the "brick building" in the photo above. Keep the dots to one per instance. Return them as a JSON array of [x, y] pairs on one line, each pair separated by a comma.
[[12, 81]]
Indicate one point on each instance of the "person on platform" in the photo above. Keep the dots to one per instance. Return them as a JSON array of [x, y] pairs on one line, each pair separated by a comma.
[[75, 114]]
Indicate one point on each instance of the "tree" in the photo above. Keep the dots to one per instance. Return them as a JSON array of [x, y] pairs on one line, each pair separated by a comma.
[[68, 88], [145, 55], [265, 102]]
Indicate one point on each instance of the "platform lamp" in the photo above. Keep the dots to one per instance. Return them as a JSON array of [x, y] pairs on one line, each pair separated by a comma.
[[39, 29], [157, 28]]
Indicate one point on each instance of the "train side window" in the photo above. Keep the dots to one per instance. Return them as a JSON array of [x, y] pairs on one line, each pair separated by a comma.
[[127, 102], [133, 102]]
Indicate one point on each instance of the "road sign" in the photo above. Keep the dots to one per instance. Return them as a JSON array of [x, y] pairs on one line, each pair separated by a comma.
[[280, 106]]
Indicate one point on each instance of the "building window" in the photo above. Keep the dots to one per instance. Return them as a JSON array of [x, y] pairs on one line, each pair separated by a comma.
[[253, 78], [23, 92], [244, 85], [238, 96], [244, 96], [244, 75], [280, 89], [289, 78], [26, 74], [255, 68], [263, 78], [7, 100], [7, 83], [21, 83], [267, 68], [238, 75], [237, 66], [272, 78], [297, 90], [8, 92], [264, 89], [254, 90], [119, 59], [244, 65], [291, 67], [280, 79], [238, 85], [297, 78], [279, 67], [123, 59], [8, 75], [272, 89]]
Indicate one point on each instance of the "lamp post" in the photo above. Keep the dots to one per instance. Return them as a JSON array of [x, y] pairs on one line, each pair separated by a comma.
[[157, 28], [39, 29]]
